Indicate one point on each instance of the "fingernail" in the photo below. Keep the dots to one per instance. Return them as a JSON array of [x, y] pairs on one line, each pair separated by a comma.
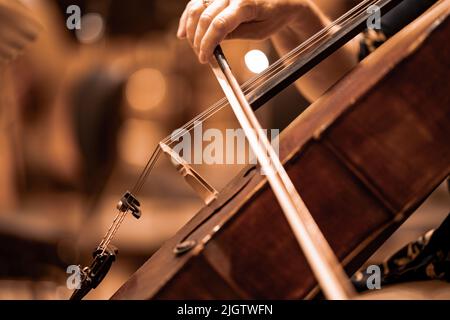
[[180, 34]]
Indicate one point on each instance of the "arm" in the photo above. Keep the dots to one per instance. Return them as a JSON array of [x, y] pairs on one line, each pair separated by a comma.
[[324, 75]]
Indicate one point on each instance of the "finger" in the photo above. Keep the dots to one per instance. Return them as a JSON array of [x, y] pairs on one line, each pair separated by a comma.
[[181, 33], [194, 13], [224, 23], [207, 18]]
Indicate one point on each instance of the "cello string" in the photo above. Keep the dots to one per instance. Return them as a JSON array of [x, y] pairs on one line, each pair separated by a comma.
[[112, 231], [249, 86], [215, 109], [274, 68], [109, 230], [324, 31], [269, 72], [317, 36], [247, 89]]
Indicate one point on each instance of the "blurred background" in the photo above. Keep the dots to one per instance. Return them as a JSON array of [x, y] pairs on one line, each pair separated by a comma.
[[81, 113]]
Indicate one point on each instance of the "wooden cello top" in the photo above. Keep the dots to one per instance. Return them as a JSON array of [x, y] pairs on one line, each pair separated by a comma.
[[364, 157]]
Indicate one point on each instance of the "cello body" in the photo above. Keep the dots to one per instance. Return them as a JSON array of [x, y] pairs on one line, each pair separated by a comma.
[[363, 158]]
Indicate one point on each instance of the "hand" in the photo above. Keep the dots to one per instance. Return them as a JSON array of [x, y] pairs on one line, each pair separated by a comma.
[[17, 29], [206, 25]]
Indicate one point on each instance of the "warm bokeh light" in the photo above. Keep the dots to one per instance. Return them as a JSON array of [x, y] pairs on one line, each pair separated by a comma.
[[92, 28], [144, 135], [145, 89], [256, 61]]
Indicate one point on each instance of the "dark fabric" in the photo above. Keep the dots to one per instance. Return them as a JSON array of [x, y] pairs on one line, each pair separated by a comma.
[[427, 258]]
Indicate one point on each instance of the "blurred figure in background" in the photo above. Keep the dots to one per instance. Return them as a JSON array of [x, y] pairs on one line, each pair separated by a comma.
[[18, 28], [62, 106]]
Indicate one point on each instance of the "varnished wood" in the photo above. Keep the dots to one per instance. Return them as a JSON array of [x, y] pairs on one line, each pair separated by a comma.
[[363, 158]]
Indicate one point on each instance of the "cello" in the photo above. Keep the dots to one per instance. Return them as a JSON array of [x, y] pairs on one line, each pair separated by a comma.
[[363, 157]]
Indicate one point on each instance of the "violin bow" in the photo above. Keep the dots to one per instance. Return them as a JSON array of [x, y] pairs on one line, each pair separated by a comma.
[[324, 264]]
